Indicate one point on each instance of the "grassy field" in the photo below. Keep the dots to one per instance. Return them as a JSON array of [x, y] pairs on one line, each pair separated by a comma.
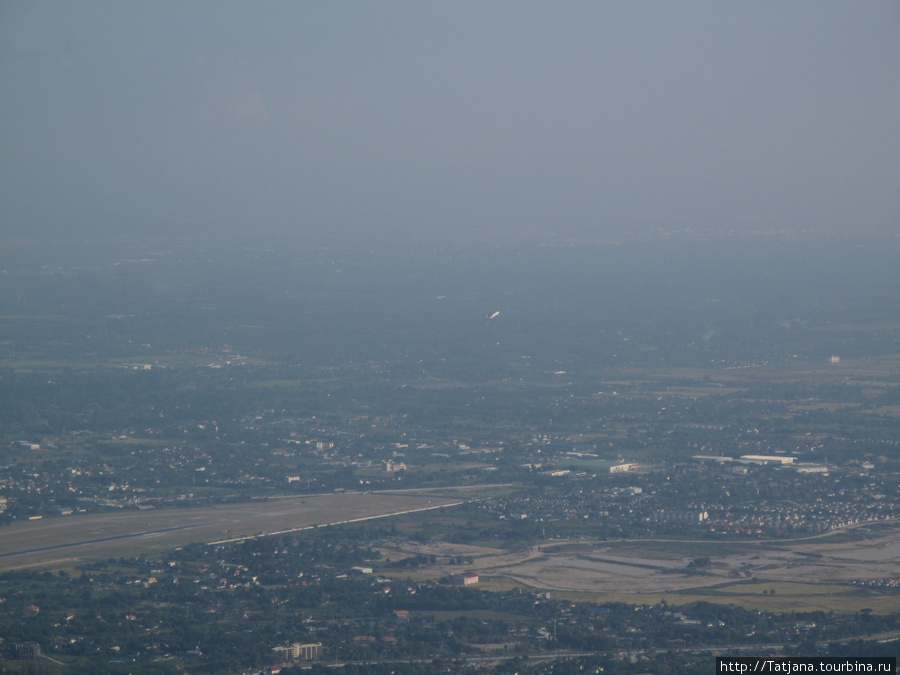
[[751, 588], [788, 597]]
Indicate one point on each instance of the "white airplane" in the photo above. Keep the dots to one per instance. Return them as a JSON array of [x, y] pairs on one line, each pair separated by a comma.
[[492, 316]]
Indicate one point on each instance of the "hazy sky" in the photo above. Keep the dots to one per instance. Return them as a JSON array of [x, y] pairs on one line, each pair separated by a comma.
[[503, 117]]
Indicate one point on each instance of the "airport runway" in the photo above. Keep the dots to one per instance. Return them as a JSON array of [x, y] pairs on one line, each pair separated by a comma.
[[66, 539]]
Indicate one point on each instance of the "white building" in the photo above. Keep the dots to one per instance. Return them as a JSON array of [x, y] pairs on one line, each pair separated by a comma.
[[466, 579], [680, 516], [303, 652], [768, 459], [811, 468], [391, 466]]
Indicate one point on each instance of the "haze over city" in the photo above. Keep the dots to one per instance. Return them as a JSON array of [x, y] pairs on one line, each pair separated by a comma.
[[501, 119]]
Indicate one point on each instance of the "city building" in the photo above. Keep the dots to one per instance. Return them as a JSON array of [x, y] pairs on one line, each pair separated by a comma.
[[768, 459], [466, 579]]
